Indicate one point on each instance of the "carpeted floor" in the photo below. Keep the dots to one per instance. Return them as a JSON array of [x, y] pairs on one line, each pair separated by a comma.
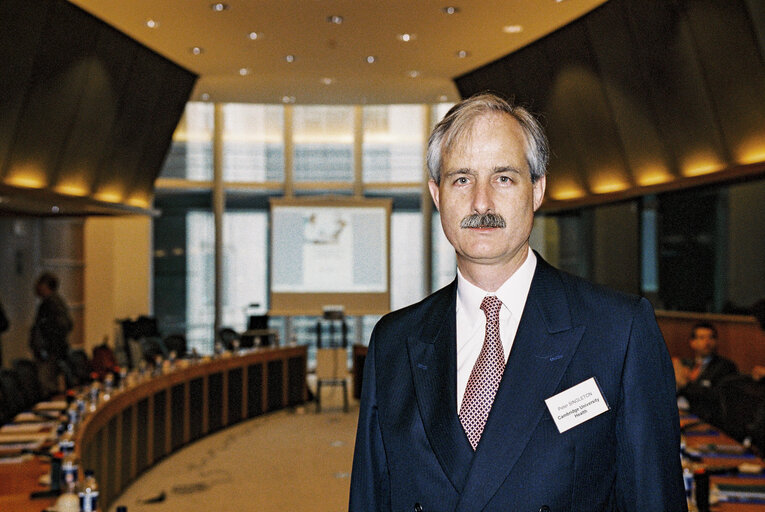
[[287, 461]]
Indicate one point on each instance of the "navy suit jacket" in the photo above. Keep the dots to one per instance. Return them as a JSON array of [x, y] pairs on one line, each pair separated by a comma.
[[412, 454]]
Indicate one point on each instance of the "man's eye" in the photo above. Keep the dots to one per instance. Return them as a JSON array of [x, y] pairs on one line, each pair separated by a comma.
[[505, 179], [461, 180]]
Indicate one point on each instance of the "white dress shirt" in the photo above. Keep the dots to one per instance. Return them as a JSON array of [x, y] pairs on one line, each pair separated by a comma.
[[471, 320]]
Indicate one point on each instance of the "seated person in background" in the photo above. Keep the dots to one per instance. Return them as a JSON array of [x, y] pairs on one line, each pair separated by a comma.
[[697, 377]]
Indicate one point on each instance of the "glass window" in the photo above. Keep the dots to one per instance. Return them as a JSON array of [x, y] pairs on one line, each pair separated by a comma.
[[393, 144], [253, 142], [200, 272], [323, 140], [190, 156], [406, 259], [244, 270], [444, 258]]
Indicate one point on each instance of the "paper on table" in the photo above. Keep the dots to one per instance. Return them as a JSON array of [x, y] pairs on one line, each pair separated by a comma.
[[26, 428], [57, 405]]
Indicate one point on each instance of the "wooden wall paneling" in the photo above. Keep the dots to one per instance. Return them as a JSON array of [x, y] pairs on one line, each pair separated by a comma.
[[112, 463], [215, 392], [196, 408], [223, 398], [245, 391], [255, 392], [143, 436], [234, 395], [128, 444], [205, 405], [275, 387], [740, 338], [159, 426], [177, 417]]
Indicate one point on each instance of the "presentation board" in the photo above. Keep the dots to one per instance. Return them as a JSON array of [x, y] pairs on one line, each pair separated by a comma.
[[329, 252]]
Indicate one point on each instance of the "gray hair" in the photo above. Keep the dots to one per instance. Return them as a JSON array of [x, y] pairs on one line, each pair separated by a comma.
[[460, 119]]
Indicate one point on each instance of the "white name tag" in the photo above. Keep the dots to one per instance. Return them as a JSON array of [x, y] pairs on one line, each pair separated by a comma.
[[576, 405]]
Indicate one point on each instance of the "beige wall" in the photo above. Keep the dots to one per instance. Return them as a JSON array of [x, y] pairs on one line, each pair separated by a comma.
[[117, 273]]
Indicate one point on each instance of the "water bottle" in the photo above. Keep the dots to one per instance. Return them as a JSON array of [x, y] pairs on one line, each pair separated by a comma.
[[88, 492]]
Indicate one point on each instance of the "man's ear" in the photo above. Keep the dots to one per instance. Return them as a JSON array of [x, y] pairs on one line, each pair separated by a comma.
[[539, 191], [434, 190]]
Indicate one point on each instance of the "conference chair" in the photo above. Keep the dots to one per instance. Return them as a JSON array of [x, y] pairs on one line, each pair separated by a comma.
[[175, 343], [228, 336], [76, 368], [741, 408], [26, 370], [11, 387]]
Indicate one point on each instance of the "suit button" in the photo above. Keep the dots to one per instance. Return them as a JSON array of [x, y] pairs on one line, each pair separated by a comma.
[[544, 508], [417, 507]]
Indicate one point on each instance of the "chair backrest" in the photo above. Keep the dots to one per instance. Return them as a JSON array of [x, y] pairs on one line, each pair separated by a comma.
[[331, 363], [15, 397], [30, 379], [78, 366], [741, 399], [103, 360], [175, 343]]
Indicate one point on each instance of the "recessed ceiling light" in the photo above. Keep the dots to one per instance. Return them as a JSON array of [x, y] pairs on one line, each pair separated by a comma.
[[335, 19], [197, 50], [152, 23], [443, 98], [288, 99], [371, 59], [450, 10], [413, 74], [244, 71], [462, 54], [253, 35], [205, 96], [55, 209], [327, 80], [512, 29], [406, 37], [289, 58], [219, 7]]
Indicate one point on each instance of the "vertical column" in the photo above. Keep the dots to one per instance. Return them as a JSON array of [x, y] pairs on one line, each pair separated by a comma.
[[289, 152], [219, 204], [358, 144], [427, 211]]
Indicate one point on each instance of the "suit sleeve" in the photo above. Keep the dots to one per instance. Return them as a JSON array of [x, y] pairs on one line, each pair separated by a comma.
[[649, 474], [370, 482]]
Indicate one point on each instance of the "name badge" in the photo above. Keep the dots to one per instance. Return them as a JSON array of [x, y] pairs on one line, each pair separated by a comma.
[[576, 405]]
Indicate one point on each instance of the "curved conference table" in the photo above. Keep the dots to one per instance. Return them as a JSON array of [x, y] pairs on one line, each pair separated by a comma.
[[136, 428]]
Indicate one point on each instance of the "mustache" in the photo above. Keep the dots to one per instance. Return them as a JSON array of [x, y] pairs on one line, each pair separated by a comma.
[[483, 220]]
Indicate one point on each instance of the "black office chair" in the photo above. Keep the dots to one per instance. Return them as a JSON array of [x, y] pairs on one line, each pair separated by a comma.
[[228, 336], [76, 368], [175, 343], [29, 379], [11, 386], [741, 408]]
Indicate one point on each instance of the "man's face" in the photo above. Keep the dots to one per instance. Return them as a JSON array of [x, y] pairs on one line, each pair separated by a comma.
[[703, 342], [486, 172]]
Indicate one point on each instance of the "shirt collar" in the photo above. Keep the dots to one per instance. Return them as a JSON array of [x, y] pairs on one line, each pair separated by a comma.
[[512, 293]]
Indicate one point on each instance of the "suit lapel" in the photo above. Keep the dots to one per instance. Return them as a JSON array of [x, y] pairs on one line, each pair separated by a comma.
[[433, 363], [542, 350]]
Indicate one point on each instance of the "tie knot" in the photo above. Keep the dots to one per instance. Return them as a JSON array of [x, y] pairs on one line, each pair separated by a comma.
[[491, 306]]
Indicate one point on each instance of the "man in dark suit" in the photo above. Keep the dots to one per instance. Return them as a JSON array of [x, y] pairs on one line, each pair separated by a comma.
[[697, 377], [517, 387]]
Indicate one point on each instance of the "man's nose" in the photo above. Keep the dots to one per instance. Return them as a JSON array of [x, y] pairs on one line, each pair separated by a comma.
[[482, 198]]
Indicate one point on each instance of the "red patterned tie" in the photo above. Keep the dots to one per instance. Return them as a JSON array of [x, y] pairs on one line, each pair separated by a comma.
[[484, 379]]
